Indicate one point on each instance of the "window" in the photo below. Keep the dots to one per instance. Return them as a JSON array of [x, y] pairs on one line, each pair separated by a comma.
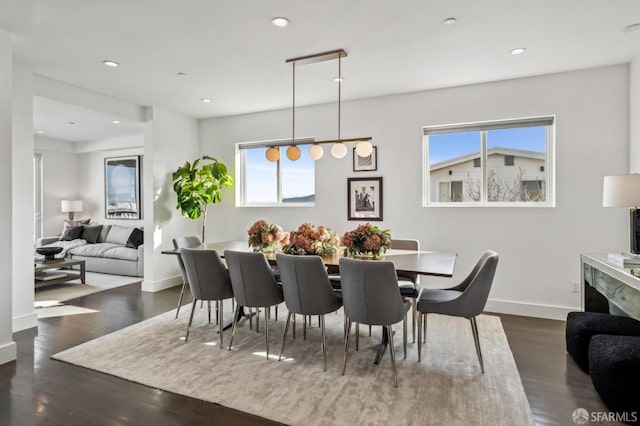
[[503, 163], [283, 182]]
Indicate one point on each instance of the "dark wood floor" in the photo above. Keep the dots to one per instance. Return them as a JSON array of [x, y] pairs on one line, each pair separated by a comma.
[[38, 390]]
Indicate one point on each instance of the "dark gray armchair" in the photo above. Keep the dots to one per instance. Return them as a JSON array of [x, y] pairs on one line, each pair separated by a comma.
[[307, 291], [370, 295], [179, 243], [467, 299], [208, 280], [254, 285]]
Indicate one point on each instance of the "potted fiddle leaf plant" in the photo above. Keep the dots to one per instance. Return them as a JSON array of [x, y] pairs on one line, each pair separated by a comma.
[[199, 184]]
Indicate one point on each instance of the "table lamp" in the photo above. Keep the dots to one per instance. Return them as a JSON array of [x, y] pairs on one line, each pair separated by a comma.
[[71, 206], [624, 191]]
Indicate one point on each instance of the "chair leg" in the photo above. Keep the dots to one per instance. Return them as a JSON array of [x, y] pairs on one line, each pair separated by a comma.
[[209, 310], [424, 328], [294, 326], [346, 346], [404, 336], [184, 284], [324, 349], [393, 356], [250, 318], [276, 312], [419, 336], [357, 336], [319, 321], [414, 309], [304, 327], [193, 308], [284, 335], [266, 328], [369, 331], [476, 339], [219, 311], [233, 327], [257, 320]]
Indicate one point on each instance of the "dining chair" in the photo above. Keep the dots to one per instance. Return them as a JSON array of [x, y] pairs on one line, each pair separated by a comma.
[[189, 241], [409, 283], [371, 296], [254, 285], [307, 291], [208, 280], [466, 300]]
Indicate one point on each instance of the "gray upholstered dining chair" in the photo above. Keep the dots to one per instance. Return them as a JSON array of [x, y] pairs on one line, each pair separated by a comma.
[[208, 280], [307, 291], [189, 241], [409, 283], [254, 285], [370, 295], [467, 299]]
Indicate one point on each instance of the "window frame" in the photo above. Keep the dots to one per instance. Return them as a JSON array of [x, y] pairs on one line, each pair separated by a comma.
[[483, 127], [241, 181]]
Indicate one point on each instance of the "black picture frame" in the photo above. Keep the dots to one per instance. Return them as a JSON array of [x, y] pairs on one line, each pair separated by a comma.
[[364, 198], [365, 164], [122, 187]]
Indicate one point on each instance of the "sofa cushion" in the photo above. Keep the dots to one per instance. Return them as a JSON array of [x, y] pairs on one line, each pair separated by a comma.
[[121, 253], [90, 233], [135, 239], [71, 233], [93, 250], [103, 233], [119, 234]]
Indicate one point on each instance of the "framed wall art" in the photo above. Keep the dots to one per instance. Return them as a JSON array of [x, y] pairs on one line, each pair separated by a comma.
[[122, 187], [364, 198], [365, 164]]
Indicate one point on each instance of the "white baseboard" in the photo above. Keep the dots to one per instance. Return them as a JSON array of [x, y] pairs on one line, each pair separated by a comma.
[[529, 309], [161, 284], [8, 352], [25, 321]]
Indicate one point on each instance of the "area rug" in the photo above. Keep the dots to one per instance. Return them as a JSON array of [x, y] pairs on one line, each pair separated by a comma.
[[446, 388]]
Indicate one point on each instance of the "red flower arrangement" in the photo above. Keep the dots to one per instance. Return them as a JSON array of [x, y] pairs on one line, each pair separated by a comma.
[[366, 239], [308, 239], [266, 237]]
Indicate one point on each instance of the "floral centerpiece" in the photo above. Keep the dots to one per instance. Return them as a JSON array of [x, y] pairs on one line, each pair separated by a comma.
[[366, 240], [308, 239], [265, 237]]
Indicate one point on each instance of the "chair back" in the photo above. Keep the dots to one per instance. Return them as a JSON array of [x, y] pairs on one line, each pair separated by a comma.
[[206, 274], [370, 292], [306, 286], [185, 242], [252, 279], [476, 287], [407, 244]]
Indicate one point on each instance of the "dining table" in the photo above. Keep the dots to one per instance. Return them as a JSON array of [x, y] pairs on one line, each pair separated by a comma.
[[428, 263]]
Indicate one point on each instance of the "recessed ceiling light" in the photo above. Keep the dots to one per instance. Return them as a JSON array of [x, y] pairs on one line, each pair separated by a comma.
[[110, 63], [72, 122], [40, 132], [338, 79], [181, 74], [280, 22], [116, 121], [450, 21], [518, 50], [632, 27], [206, 100]]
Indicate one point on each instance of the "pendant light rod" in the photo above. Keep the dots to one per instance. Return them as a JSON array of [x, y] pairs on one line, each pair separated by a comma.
[[293, 109], [339, 91]]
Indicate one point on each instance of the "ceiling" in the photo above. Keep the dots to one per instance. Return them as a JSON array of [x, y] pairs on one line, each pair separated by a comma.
[[232, 54]]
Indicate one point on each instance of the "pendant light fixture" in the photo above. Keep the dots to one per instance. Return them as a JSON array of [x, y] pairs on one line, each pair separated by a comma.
[[316, 152]]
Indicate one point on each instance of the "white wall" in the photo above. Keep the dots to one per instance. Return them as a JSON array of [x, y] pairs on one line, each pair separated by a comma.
[[170, 140], [634, 111], [539, 247], [7, 346], [22, 221]]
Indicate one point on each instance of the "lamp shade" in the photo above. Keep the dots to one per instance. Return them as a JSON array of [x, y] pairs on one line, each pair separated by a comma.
[[316, 152], [67, 206], [293, 153], [272, 154], [621, 191], [339, 150]]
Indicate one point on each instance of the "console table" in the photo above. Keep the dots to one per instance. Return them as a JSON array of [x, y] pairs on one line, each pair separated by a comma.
[[607, 287]]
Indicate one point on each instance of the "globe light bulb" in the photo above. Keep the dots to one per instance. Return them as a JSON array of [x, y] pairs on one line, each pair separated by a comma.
[[364, 148], [293, 153], [316, 152], [272, 154], [339, 150]]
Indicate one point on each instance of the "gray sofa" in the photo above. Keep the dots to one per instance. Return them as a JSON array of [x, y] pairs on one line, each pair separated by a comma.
[[110, 252]]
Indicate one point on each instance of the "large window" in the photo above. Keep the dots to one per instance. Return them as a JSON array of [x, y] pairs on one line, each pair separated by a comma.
[[502, 163], [280, 183]]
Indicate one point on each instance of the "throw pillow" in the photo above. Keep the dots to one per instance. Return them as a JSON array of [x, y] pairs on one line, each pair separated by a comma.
[[74, 223], [90, 233], [136, 238], [118, 235], [71, 233], [103, 234]]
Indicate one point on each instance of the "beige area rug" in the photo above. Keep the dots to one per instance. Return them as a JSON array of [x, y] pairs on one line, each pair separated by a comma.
[[447, 388], [49, 300]]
